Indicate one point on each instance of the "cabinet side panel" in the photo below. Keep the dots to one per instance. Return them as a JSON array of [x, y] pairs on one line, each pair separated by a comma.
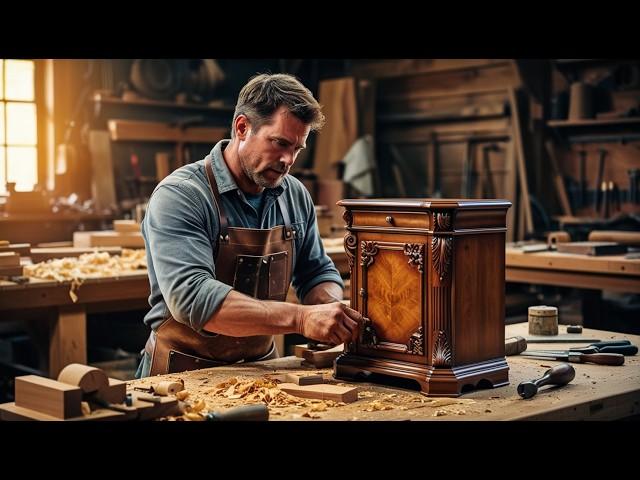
[[478, 296]]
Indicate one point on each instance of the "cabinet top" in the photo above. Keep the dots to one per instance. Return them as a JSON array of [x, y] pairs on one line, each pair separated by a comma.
[[426, 203]]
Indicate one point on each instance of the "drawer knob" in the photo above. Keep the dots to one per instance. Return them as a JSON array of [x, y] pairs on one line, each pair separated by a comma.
[[389, 220]]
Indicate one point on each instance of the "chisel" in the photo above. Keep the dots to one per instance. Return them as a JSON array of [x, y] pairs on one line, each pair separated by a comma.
[[257, 413], [575, 357]]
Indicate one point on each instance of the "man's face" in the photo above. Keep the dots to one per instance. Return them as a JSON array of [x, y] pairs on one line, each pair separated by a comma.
[[267, 155]]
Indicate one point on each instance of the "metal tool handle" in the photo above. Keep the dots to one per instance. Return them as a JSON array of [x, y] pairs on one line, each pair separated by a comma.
[[627, 350], [247, 413], [597, 358], [610, 343]]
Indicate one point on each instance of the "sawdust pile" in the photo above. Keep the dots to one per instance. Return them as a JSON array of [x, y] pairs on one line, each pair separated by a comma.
[[262, 390], [88, 265]]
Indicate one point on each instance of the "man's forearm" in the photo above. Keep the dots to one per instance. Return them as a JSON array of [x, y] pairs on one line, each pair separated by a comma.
[[325, 292], [241, 316]]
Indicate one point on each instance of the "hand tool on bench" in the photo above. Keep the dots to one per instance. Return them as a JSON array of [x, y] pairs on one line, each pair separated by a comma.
[[246, 413], [514, 345], [558, 375], [626, 349], [577, 357]]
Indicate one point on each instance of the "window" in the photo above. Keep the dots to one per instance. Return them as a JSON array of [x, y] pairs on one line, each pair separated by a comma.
[[18, 127]]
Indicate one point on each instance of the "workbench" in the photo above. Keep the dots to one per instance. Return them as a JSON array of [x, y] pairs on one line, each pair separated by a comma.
[[606, 272], [597, 393], [40, 300], [590, 274], [48, 300]]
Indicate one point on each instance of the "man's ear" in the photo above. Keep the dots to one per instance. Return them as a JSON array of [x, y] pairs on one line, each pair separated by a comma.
[[242, 127]]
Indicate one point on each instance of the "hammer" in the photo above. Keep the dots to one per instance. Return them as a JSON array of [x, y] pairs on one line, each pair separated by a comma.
[[558, 375], [514, 345]]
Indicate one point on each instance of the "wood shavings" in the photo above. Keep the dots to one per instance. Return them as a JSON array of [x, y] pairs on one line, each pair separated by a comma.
[[194, 417], [377, 405], [310, 415], [88, 265], [182, 394]]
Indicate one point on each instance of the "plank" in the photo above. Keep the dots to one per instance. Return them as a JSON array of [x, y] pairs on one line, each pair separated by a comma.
[[521, 160], [126, 226], [20, 248], [322, 392], [130, 130], [103, 187], [44, 254], [338, 97]]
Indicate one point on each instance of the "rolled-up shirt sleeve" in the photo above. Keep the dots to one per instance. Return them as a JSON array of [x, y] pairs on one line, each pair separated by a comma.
[[313, 265], [177, 236]]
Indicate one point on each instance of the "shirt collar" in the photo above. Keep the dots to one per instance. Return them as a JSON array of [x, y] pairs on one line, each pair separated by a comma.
[[223, 175]]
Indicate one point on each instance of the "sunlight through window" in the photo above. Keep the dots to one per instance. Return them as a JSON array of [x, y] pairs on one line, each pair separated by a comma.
[[18, 125]]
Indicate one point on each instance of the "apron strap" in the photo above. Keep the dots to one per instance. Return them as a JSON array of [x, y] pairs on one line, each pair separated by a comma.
[[213, 185], [289, 232]]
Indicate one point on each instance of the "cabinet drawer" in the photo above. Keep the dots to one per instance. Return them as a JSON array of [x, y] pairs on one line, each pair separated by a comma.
[[391, 219]]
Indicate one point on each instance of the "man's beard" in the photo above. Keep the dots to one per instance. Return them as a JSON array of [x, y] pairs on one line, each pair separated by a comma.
[[258, 177]]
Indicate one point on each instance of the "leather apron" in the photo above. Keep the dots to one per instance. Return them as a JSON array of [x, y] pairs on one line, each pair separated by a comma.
[[256, 262]]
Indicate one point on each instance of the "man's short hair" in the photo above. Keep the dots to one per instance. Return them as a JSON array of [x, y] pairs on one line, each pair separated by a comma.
[[265, 93]]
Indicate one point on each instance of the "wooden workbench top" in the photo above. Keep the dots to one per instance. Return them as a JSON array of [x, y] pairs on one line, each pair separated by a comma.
[[597, 392]]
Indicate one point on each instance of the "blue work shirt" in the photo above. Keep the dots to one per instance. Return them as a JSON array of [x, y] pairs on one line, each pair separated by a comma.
[[180, 230]]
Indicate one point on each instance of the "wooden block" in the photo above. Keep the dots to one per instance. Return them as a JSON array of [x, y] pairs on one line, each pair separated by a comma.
[[44, 254], [592, 248], [298, 350], [322, 358], [124, 226], [9, 259], [82, 239], [89, 379], [323, 392], [4, 243], [303, 379], [113, 239], [48, 396], [21, 249], [115, 392], [108, 238], [297, 378]]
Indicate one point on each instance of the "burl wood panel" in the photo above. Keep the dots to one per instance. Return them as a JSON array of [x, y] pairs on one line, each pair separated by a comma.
[[394, 296]]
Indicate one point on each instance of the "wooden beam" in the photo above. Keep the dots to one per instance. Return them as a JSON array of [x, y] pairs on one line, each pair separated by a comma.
[[130, 130]]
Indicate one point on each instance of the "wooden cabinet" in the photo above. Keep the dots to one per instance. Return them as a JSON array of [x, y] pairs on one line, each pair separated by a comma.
[[428, 276]]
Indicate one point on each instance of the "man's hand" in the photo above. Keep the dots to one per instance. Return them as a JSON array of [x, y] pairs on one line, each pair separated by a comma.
[[332, 323]]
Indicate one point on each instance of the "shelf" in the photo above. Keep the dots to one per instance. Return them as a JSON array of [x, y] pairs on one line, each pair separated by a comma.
[[592, 122], [99, 98]]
